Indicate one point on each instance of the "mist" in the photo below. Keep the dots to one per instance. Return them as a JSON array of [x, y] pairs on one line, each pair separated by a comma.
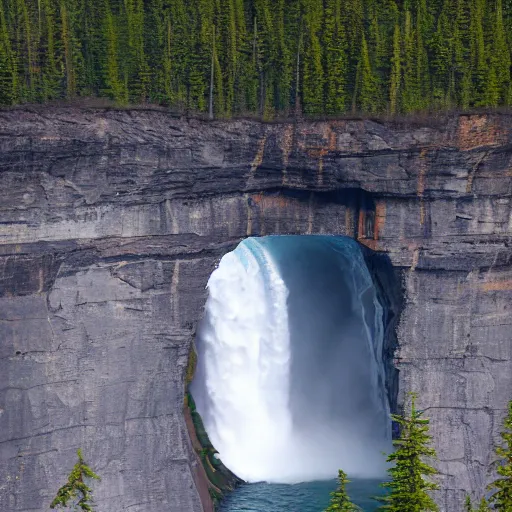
[[290, 378]]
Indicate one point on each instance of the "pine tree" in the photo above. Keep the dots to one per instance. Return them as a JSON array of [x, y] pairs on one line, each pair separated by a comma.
[[408, 488], [52, 74], [501, 54], [336, 65], [155, 31], [340, 501], [492, 86], [422, 74], [8, 88], [137, 70], [218, 88], [76, 488], [379, 59], [411, 97], [462, 84], [241, 69], [396, 72], [482, 507], [478, 53], [68, 52], [441, 49], [115, 86], [502, 497], [283, 63], [227, 52], [353, 21], [368, 97], [266, 57], [25, 47], [180, 33], [269, 55], [94, 46], [200, 42], [247, 75]]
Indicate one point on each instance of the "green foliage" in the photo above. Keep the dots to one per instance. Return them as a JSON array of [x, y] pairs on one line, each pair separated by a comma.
[[502, 497], [409, 484], [268, 56], [396, 72], [334, 44], [191, 366], [482, 507], [339, 498], [76, 489], [368, 89]]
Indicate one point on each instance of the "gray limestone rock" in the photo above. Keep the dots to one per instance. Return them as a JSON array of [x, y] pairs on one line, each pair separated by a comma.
[[111, 222]]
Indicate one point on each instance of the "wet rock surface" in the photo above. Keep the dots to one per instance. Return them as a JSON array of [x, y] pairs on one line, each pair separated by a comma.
[[112, 221]]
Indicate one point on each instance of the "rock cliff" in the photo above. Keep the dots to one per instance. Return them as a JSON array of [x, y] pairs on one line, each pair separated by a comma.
[[112, 221]]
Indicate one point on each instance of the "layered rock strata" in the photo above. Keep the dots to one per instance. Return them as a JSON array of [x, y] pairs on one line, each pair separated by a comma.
[[111, 222]]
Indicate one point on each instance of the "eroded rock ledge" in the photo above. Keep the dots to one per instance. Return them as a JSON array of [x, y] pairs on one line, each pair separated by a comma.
[[111, 222]]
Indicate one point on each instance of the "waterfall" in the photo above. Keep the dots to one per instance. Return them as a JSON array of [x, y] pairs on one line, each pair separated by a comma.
[[290, 380]]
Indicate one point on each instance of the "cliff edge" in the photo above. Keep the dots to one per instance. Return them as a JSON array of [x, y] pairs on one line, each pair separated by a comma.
[[111, 222]]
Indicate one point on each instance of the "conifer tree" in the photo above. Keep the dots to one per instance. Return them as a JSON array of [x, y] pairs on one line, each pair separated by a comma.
[[441, 48], [501, 54], [248, 77], [422, 75], [482, 507], [334, 44], [8, 76], [200, 47], [368, 97], [492, 86], [94, 46], [461, 84], [478, 53], [180, 46], [502, 497], [269, 54], [412, 88], [227, 48], [167, 64], [409, 485], [379, 58], [353, 20], [283, 61], [396, 72], [218, 90], [241, 68], [68, 51], [75, 489], [265, 57], [115, 85], [155, 32], [136, 63], [340, 501]]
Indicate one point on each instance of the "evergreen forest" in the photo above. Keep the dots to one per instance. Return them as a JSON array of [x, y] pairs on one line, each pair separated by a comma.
[[267, 58]]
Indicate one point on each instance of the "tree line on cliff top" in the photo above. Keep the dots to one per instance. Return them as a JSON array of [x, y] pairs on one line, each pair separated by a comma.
[[266, 57]]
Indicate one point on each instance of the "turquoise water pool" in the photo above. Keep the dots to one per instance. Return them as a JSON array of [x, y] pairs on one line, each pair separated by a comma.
[[304, 497]]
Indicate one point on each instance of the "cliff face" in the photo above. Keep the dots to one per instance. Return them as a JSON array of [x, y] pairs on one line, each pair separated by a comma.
[[112, 221]]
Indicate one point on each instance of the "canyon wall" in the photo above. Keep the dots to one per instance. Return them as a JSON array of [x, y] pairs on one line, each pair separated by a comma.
[[111, 222]]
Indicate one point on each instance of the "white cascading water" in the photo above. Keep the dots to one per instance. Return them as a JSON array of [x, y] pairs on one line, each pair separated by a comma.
[[282, 414]]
